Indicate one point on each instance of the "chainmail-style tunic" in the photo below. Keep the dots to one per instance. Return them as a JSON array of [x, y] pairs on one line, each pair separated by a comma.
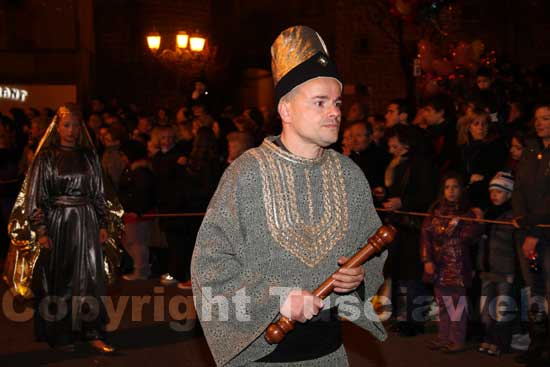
[[279, 220]]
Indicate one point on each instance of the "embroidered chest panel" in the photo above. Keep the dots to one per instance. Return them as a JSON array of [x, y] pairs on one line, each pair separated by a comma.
[[308, 233]]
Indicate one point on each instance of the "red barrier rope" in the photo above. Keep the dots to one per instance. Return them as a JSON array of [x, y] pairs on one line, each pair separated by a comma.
[[467, 219]]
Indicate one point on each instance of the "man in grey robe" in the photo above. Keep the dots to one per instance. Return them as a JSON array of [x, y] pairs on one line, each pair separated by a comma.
[[285, 216]]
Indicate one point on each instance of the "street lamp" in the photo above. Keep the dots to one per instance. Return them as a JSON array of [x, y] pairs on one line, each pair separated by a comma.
[[196, 43], [153, 41]]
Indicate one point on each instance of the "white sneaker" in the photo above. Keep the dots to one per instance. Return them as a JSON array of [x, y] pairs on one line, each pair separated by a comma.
[[167, 279], [520, 341]]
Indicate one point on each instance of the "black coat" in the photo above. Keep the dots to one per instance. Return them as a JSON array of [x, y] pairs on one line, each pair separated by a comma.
[[443, 149], [484, 158], [414, 182], [373, 162], [136, 191], [531, 197], [170, 180], [496, 253]]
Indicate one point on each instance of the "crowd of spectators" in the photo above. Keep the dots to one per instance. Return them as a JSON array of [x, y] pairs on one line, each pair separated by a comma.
[[171, 162]]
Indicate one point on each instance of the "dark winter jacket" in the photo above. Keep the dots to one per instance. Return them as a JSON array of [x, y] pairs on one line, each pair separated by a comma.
[[531, 197], [496, 252], [137, 189], [484, 158]]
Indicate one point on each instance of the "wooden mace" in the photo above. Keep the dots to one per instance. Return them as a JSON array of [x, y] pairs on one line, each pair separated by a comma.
[[384, 236]]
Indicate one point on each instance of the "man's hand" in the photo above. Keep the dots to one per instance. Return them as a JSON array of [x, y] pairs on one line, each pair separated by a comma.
[[182, 161], [476, 178], [301, 306], [348, 280], [103, 235], [478, 213], [452, 225], [529, 245], [392, 204], [45, 242]]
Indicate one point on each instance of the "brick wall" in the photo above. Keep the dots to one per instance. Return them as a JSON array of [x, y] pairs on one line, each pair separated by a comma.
[[244, 30], [124, 66]]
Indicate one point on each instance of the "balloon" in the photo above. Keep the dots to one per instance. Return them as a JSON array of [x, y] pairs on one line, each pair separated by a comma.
[[472, 66], [424, 47], [462, 54], [426, 64], [426, 57], [405, 7], [394, 11], [431, 87], [478, 47], [442, 67]]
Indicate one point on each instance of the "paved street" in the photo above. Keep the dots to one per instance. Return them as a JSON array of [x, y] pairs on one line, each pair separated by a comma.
[[148, 336]]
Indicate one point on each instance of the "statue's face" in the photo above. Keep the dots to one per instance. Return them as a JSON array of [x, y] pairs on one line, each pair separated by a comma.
[[68, 129]]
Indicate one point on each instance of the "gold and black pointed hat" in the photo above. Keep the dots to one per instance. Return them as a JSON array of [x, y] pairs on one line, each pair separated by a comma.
[[298, 55]]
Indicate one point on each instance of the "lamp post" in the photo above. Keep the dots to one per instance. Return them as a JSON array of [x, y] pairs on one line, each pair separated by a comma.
[[190, 57]]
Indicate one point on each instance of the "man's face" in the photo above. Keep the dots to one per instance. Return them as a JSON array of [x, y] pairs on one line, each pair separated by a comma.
[[94, 122], [109, 141], [483, 82], [36, 131], [97, 105], [360, 140], [166, 140], [355, 113], [542, 122], [103, 134], [432, 116], [311, 115], [392, 115], [144, 125]]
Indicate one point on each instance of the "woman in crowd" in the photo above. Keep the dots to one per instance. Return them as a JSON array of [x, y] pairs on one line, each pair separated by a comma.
[[517, 144], [482, 155]]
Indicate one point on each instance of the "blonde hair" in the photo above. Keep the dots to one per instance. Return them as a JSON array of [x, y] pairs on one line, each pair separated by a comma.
[[463, 126]]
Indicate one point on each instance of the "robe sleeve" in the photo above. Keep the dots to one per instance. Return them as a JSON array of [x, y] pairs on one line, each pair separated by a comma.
[[98, 192], [219, 272], [38, 202]]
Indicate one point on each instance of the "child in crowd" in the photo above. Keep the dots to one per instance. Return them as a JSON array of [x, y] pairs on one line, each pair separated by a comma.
[[496, 262], [445, 251]]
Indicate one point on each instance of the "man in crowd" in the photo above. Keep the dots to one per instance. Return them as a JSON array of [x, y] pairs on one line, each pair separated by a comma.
[[531, 205], [397, 113], [372, 159], [441, 133]]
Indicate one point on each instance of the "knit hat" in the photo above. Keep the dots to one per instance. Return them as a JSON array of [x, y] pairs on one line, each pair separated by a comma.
[[299, 54], [502, 181]]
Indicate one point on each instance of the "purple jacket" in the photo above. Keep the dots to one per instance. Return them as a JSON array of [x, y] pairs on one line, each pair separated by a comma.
[[450, 252]]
